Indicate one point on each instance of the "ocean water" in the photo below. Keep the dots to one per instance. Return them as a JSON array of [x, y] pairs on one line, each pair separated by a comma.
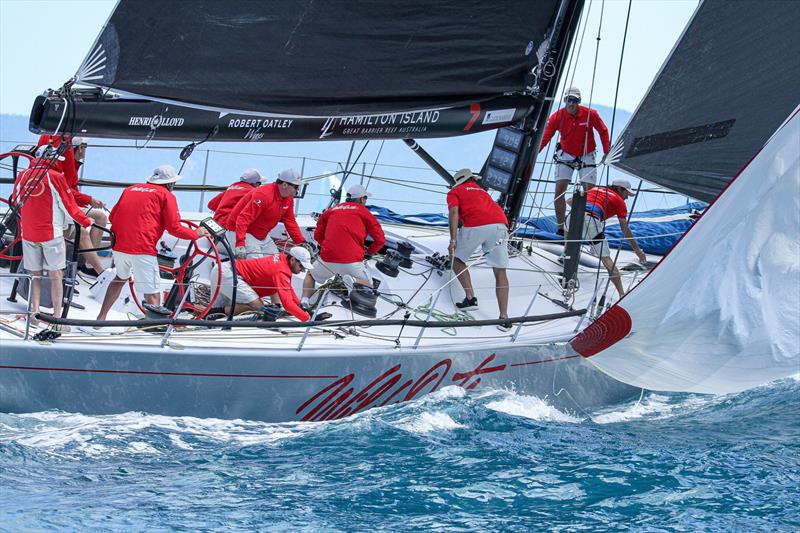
[[452, 461]]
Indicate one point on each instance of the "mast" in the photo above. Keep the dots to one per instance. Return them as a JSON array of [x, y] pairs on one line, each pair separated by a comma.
[[548, 75]]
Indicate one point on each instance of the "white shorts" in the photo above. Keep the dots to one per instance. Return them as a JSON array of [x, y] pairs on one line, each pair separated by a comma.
[[591, 229], [48, 255], [244, 292], [259, 247], [564, 172], [493, 240], [142, 267], [323, 270]]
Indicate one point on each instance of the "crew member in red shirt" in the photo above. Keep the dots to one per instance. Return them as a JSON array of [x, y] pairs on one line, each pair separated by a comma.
[[603, 203], [260, 210], [140, 217], [485, 226], [341, 232], [95, 208], [262, 277], [575, 124], [223, 203], [47, 208]]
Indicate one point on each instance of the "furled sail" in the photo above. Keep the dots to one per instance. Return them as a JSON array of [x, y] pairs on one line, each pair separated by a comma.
[[721, 313], [728, 84], [301, 57]]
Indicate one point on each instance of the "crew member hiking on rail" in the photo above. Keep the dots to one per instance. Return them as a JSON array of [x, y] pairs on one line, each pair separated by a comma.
[[341, 233], [576, 147], [260, 210], [485, 226], [47, 209], [73, 159], [603, 203], [140, 217], [262, 277], [223, 203]]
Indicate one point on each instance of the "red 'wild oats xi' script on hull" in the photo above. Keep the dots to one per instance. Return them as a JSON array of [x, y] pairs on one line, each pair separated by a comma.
[[338, 399]]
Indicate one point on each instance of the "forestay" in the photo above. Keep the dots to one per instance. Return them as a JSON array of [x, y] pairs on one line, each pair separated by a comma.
[[727, 86], [721, 313]]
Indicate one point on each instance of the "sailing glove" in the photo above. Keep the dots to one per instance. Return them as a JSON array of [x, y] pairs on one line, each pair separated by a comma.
[[240, 252]]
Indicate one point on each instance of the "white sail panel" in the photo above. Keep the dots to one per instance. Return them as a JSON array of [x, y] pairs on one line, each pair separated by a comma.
[[721, 313]]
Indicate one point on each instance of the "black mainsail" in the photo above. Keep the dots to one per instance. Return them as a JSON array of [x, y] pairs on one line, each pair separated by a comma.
[[303, 70], [729, 83], [338, 57]]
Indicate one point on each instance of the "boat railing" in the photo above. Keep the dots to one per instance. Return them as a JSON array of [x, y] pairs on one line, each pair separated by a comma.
[[24, 335]]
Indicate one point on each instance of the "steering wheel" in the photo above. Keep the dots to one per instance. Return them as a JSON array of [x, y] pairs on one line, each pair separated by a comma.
[[6, 250], [179, 273]]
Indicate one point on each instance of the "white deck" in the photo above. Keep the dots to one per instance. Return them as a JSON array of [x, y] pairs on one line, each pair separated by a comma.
[[529, 274]]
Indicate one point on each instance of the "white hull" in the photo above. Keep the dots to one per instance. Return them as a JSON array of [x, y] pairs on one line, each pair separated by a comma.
[[283, 385]]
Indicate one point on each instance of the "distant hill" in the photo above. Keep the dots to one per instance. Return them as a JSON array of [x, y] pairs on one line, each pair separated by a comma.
[[121, 161]]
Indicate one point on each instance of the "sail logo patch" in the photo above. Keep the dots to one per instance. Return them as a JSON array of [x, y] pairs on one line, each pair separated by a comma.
[[499, 115]]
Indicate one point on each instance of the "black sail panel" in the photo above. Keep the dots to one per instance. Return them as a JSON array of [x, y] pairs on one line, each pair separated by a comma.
[[728, 85], [312, 58]]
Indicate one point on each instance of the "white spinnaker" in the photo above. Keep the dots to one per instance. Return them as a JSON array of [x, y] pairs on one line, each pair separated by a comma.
[[722, 312]]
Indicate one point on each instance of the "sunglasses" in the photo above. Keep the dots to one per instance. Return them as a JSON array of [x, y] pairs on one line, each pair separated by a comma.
[[572, 100]]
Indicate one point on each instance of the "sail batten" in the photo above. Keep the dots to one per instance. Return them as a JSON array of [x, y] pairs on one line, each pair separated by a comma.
[[725, 88]]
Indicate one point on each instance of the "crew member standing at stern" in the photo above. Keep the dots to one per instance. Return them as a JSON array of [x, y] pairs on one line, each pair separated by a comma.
[[140, 217], [485, 225], [575, 123]]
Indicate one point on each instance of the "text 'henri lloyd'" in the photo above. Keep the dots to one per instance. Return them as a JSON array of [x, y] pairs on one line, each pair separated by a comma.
[[157, 121]]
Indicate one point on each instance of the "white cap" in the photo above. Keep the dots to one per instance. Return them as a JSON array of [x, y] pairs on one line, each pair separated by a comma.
[[251, 175], [290, 175], [77, 141], [463, 175], [45, 151], [163, 175], [358, 191], [302, 255], [623, 183], [573, 91]]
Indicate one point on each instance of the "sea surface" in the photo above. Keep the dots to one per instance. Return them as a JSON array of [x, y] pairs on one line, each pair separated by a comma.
[[452, 461]]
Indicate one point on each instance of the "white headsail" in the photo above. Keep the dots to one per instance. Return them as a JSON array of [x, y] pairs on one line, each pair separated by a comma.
[[721, 313]]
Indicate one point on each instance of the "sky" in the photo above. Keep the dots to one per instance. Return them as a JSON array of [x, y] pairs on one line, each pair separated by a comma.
[[35, 57]]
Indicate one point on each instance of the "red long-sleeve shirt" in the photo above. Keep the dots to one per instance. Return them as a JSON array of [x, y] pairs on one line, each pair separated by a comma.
[[271, 274], [49, 208], [259, 211], [576, 130], [341, 231], [223, 203], [68, 167], [142, 214]]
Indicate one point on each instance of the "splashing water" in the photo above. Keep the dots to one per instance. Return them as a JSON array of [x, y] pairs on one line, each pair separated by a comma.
[[451, 460]]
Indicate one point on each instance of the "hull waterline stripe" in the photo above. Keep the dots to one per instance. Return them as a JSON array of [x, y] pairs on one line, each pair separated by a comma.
[[149, 373], [546, 361]]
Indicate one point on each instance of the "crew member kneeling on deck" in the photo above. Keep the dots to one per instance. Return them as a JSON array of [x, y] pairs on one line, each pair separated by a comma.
[[603, 203], [260, 210], [341, 232], [223, 203], [262, 277], [485, 225], [47, 208], [140, 217]]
